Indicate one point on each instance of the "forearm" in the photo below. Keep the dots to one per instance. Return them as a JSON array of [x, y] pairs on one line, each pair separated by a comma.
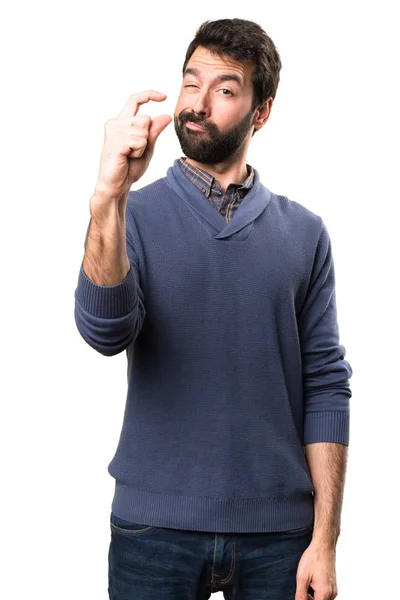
[[327, 463], [106, 261]]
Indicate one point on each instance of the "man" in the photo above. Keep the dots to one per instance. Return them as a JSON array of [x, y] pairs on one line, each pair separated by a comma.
[[231, 462]]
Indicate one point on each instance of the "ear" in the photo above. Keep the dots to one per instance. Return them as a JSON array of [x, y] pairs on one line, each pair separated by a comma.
[[262, 113]]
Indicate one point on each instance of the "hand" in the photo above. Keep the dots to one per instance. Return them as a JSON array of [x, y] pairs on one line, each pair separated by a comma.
[[316, 569], [129, 142]]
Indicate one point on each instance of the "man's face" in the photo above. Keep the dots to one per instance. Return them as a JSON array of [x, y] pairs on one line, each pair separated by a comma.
[[221, 107]]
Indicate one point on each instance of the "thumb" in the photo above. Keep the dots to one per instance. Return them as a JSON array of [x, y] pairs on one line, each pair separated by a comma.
[[158, 124]]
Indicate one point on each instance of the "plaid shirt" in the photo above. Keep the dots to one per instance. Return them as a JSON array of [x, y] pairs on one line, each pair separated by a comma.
[[211, 188]]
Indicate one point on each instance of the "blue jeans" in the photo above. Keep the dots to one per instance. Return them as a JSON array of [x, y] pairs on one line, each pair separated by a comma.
[[146, 562]]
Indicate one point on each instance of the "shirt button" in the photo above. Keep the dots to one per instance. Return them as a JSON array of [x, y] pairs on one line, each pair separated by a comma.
[[223, 211], [203, 190]]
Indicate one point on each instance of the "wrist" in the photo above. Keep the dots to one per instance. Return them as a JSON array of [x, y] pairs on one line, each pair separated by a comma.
[[103, 195], [325, 539], [104, 206]]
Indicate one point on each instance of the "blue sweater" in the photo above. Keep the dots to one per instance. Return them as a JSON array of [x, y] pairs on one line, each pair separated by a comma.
[[233, 355]]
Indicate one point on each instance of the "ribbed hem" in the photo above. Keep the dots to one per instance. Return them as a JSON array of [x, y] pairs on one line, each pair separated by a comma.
[[327, 426], [243, 515], [107, 301]]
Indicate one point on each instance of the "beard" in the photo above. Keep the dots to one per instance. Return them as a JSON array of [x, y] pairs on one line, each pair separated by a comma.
[[211, 146]]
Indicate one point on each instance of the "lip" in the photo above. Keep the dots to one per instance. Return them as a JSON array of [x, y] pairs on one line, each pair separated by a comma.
[[195, 127]]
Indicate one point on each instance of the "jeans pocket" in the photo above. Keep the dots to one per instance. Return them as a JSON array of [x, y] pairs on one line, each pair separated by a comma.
[[129, 528]]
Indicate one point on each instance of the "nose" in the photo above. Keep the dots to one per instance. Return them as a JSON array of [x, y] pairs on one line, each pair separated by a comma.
[[201, 106]]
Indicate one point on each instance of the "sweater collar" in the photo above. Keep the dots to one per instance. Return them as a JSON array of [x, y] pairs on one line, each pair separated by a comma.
[[255, 201]]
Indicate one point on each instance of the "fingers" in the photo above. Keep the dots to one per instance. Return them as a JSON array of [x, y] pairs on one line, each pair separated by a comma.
[[139, 124], [158, 124], [144, 130], [132, 105], [145, 139]]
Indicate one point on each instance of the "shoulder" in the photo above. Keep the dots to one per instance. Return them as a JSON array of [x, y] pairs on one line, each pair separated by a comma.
[[295, 215], [295, 210], [146, 195]]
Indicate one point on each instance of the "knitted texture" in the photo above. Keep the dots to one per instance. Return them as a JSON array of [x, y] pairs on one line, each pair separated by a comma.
[[234, 359]]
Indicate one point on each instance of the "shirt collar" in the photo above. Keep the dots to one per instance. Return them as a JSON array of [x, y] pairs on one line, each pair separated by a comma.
[[206, 181]]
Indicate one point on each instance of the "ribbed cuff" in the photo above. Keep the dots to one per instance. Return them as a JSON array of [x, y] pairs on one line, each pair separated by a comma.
[[327, 426], [107, 301]]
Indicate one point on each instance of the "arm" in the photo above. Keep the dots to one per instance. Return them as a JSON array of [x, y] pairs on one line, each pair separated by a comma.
[[106, 261], [327, 462], [109, 308], [316, 570], [326, 376]]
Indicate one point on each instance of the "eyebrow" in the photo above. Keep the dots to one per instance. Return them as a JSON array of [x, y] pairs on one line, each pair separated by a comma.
[[219, 78]]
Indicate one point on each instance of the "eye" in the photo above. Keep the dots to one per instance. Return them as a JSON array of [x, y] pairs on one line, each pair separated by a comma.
[[224, 89]]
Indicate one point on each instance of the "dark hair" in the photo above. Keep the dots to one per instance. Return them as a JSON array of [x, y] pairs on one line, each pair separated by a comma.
[[244, 41]]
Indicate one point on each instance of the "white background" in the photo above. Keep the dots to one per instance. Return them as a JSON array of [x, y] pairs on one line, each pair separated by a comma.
[[331, 143]]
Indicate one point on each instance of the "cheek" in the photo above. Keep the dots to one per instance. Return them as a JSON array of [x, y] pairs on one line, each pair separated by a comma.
[[183, 99], [181, 106], [223, 118]]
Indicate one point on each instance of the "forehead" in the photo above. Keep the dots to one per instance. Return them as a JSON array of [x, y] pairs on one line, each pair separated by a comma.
[[208, 66]]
